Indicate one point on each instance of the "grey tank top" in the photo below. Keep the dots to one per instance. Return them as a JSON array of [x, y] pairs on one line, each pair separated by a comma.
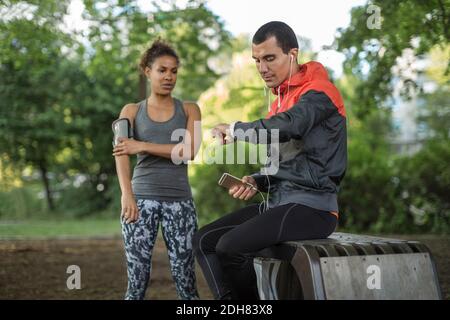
[[155, 177]]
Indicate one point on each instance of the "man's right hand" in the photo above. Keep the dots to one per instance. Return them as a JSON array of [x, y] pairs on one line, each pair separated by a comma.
[[222, 131], [244, 192], [130, 212]]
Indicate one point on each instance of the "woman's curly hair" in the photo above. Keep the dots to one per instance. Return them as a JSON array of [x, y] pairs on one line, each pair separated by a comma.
[[158, 49]]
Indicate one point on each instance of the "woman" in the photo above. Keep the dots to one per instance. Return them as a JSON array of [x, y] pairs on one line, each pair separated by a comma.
[[159, 191]]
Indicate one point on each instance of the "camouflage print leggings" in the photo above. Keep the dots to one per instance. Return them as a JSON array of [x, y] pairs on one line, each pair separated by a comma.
[[179, 223]]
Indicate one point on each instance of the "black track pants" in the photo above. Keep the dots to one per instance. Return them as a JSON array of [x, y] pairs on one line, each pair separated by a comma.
[[224, 247]]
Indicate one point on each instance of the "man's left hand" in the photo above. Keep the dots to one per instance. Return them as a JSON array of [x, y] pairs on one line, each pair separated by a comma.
[[128, 147]]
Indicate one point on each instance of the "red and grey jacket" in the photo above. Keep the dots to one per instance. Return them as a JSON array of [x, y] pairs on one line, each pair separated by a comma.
[[310, 117]]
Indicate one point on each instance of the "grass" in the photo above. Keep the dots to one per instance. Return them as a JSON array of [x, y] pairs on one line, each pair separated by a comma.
[[101, 226], [32, 229]]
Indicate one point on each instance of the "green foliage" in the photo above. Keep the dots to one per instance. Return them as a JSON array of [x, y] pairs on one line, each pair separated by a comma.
[[59, 95], [79, 201], [32, 65], [195, 32], [424, 182], [371, 53], [384, 191], [367, 189], [434, 114], [21, 203], [388, 192]]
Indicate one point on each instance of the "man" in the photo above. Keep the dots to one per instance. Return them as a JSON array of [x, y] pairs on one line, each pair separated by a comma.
[[309, 115]]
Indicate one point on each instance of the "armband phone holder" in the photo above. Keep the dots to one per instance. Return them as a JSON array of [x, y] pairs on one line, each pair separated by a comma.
[[121, 129]]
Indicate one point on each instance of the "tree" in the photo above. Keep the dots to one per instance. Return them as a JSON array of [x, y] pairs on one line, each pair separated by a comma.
[[372, 52], [385, 191], [368, 190], [123, 31], [434, 109], [423, 184], [32, 65], [61, 90]]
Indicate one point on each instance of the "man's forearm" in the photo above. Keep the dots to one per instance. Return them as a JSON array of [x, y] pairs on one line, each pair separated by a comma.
[[313, 108]]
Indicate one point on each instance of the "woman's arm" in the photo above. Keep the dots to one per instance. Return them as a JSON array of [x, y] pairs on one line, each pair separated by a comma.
[[184, 151], [129, 208]]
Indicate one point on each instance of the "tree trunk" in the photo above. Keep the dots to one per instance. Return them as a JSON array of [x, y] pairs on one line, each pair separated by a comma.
[[46, 182], [142, 87]]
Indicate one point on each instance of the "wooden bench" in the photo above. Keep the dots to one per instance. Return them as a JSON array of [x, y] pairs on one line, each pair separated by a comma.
[[347, 266]]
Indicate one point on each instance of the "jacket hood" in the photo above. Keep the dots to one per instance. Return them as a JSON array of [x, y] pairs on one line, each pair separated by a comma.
[[310, 71], [311, 76]]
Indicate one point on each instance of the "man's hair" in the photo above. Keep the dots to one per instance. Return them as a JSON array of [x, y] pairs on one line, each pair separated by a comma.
[[285, 36]]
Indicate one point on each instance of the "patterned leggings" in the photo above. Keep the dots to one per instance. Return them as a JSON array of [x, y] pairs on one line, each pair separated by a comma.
[[179, 223]]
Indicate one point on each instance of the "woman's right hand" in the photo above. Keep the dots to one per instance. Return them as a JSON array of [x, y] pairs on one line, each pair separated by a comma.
[[130, 212]]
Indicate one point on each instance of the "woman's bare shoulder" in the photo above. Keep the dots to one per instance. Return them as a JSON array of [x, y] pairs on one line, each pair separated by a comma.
[[191, 107], [129, 111]]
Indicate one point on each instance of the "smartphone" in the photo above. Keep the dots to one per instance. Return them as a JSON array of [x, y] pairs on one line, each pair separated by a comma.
[[228, 181]]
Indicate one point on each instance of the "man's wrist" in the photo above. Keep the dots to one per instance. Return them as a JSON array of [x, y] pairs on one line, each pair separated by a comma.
[[231, 128]]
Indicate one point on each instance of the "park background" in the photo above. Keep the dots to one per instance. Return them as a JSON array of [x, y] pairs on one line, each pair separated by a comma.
[[68, 67]]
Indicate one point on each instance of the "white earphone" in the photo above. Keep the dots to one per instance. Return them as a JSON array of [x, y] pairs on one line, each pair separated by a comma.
[[290, 72]]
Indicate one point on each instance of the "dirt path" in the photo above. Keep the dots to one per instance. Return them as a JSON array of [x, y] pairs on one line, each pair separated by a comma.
[[37, 269]]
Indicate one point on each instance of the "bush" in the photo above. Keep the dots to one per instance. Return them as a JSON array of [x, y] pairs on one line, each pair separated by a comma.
[[84, 200], [21, 203], [424, 184]]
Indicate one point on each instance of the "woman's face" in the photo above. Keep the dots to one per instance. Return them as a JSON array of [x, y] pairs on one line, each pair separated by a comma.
[[163, 75]]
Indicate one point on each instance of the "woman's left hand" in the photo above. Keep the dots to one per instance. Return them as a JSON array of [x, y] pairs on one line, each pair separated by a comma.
[[128, 147]]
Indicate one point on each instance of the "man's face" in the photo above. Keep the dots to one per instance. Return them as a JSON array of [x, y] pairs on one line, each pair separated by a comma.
[[272, 63]]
